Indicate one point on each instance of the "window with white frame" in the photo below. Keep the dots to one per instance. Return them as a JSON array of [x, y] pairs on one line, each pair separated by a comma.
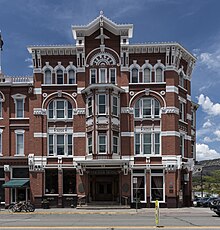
[[60, 76], [93, 73], [112, 75], [147, 75], [1, 141], [2, 181], [134, 75], [182, 144], [71, 76], [193, 122], [147, 108], [90, 145], [60, 109], [0, 109], [147, 143], [102, 143], [115, 144], [102, 75], [159, 75], [181, 79], [138, 187], [19, 142], [19, 105], [47, 76], [89, 106], [60, 144], [101, 104], [182, 111], [115, 106], [157, 185]]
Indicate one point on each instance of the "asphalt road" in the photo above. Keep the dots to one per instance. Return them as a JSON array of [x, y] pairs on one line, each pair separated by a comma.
[[186, 218]]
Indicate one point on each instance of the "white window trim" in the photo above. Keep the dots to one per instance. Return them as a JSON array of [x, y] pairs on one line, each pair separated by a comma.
[[105, 70], [106, 145], [87, 110], [182, 105], [131, 75], [106, 104], [132, 186], [56, 76], [87, 144], [15, 97], [113, 136], [1, 131], [152, 143], [158, 174], [90, 76], [118, 106], [68, 78], [18, 132], [115, 75], [55, 144], [159, 65], [182, 136]]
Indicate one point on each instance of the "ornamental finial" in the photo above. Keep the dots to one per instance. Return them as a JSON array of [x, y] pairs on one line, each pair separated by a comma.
[[101, 13]]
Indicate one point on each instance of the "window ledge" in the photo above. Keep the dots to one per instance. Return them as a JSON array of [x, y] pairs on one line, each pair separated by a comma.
[[19, 118], [19, 155], [183, 122], [148, 155], [150, 83], [182, 88], [59, 119], [58, 85]]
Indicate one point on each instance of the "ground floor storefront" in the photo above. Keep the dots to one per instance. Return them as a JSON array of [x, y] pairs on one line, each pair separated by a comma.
[[96, 184]]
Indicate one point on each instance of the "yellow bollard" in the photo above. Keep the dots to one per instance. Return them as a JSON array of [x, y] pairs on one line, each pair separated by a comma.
[[157, 213]]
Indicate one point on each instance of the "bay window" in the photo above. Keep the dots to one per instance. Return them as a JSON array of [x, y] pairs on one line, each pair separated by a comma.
[[102, 145], [102, 75], [102, 104], [115, 144], [115, 106]]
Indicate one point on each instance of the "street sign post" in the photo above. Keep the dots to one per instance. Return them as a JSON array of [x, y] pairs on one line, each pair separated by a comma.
[[157, 213]]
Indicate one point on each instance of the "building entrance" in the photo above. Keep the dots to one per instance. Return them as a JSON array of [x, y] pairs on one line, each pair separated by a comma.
[[104, 188]]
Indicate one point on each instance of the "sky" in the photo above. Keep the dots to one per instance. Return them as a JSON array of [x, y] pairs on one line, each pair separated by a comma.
[[192, 23]]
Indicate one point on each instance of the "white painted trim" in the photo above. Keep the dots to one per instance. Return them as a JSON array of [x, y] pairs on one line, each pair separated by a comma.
[[188, 116], [172, 89], [127, 134], [187, 137], [169, 133], [189, 98], [79, 89], [125, 88], [79, 134], [182, 99], [37, 90], [40, 134]]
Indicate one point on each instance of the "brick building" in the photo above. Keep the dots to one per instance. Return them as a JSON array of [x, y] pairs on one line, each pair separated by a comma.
[[102, 119]]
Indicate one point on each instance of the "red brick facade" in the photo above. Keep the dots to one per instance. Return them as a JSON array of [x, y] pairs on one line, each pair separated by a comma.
[[104, 119]]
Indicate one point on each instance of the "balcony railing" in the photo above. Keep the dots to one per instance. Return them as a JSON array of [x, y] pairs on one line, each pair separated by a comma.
[[16, 80]]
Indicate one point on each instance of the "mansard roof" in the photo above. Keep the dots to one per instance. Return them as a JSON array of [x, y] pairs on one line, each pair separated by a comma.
[[102, 21]]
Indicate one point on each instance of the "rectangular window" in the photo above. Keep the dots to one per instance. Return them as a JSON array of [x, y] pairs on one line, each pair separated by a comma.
[[0, 143], [137, 143], [147, 108], [137, 109], [193, 119], [51, 144], [69, 181], [139, 192], [147, 143], [102, 143], [72, 77], [60, 105], [115, 106], [93, 76], [182, 145], [19, 144], [112, 74], [157, 190], [181, 111], [157, 143], [102, 104], [102, 75], [0, 109], [70, 144], [90, 144], [60, 144], [20, 108], [20, 173], [51, 181], [115, 144], [51, 110], [69, 109], [89, 106]]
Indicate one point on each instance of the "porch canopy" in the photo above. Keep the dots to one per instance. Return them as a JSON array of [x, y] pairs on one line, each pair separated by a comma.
[[17, 183]]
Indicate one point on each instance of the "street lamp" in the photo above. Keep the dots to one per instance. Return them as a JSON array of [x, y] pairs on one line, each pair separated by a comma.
[[201, 180]]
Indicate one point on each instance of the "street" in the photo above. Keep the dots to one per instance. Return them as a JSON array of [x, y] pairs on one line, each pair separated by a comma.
[[185, 218]]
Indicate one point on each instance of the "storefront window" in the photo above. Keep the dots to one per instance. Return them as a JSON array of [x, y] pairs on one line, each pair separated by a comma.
[[51, 181], [69, 181], [139, 192], [2, 181], [157, 185]]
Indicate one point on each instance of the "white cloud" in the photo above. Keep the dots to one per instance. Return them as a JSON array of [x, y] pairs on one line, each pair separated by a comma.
[[208, 139], [207, 124], [29, 60], [203, 152], [208, 106], [217, 133]]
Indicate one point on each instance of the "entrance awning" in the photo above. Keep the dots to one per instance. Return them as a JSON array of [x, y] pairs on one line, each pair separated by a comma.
[[17, 183]]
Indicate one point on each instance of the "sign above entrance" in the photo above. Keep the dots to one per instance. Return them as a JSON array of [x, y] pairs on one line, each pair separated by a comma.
[[103, 172]]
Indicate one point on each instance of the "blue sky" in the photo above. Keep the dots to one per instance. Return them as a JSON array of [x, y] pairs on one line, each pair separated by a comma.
[[192, 23]]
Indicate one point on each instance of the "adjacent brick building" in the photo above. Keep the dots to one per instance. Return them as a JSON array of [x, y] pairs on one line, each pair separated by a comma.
[[102, 119]]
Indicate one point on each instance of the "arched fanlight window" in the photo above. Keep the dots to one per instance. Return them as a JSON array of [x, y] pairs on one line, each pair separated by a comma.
[[159, 75], [47, 76], [71, 76], [60, 76], [134, 75], [146, 75]]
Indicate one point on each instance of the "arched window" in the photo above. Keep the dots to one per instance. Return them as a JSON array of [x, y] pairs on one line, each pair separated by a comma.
[[134, 75], [147, 108], [47, 77], [60, 76], [159, 75], [181, 79], [60, 109], [71, 76], [146, 75]]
